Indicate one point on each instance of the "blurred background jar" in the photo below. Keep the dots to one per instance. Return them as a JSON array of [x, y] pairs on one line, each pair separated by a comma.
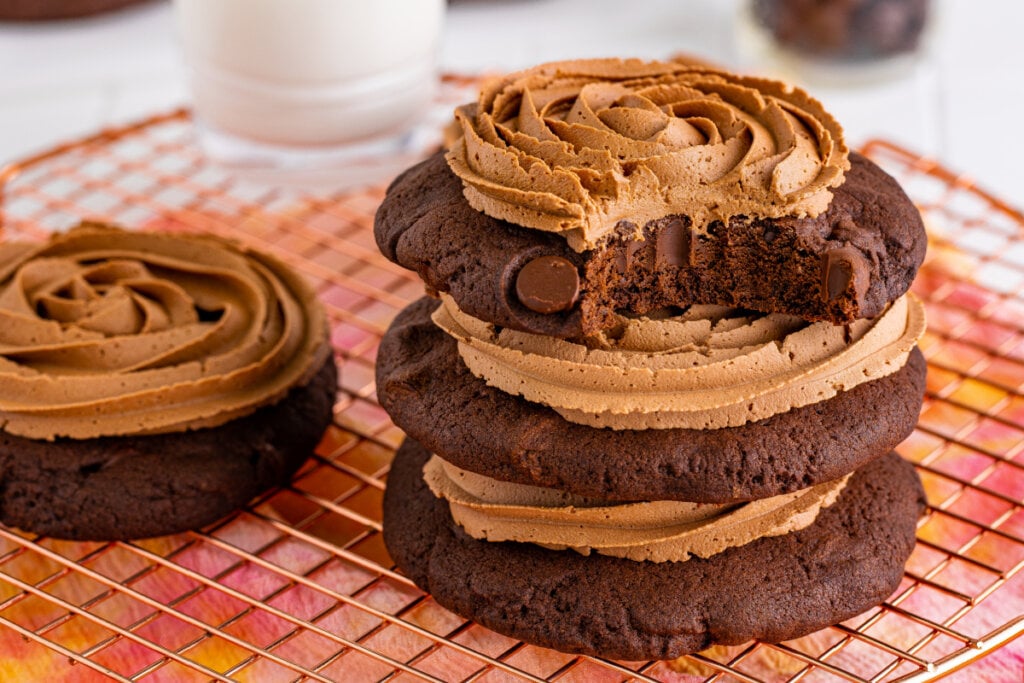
[[838, 42]]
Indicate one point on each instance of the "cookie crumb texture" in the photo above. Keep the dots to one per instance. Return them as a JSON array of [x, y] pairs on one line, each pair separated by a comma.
[[773, 589], [117, 488], [845, 264]]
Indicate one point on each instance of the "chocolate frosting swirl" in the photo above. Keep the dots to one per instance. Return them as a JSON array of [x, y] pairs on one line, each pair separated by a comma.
[[578, 147], [653, 531], [707, 368], [105, 332]]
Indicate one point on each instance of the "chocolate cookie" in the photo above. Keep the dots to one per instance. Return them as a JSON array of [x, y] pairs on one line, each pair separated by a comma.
[[137, 486], [774, 589], [847, 263], [428, 391]]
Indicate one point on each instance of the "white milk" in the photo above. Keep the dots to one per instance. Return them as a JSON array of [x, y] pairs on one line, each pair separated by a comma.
[[310, 72]]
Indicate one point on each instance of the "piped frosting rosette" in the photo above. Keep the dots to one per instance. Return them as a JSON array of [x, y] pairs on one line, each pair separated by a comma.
[[708, 368], [105, 332], [576, 147]]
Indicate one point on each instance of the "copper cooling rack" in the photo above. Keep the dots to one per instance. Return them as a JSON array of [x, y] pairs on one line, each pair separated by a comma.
[[298, 586]]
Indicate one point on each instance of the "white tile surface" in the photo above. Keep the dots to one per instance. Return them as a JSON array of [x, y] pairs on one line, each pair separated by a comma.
[[28, 124], [65, 79], [487, 34], [126, 46]]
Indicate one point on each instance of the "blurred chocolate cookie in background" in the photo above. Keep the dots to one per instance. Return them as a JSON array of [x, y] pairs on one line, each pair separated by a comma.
[[48, 10]]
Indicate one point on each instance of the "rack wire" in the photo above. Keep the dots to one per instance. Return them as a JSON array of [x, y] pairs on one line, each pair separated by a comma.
[[298, 585]]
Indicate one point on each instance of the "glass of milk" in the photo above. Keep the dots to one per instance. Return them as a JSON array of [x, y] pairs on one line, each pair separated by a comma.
[[309, 82]]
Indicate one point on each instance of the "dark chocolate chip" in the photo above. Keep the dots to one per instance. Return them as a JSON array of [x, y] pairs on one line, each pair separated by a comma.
[[548, 284], [673, 245], [841, 268], [838, 275], [844, 230], [619, 262], [770, 233], [633, 249]]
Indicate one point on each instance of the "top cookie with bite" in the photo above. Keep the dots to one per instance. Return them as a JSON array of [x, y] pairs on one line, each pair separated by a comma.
[[577, 190]]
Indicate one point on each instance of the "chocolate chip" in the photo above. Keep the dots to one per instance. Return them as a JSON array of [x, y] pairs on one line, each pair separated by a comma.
[[619, 262], [633, 248], [838, 275], [841, 268], [548, 284], [770, 233], [673, 245], [844, 230]]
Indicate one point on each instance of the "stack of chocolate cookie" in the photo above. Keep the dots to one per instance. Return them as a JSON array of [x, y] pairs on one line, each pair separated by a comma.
[[654, 403]]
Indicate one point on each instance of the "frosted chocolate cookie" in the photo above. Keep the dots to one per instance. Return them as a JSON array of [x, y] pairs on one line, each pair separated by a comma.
[[843, 552], [650, 185], [151, 383], [479, 423]]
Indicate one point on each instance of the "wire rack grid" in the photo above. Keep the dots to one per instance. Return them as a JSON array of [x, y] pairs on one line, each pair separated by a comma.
[[298, 585]]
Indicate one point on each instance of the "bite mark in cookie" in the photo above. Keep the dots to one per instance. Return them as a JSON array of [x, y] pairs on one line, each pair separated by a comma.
[[871, 234]]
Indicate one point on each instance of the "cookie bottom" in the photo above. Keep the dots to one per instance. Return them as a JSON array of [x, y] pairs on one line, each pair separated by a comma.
[[850, 559], [118, 488]]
